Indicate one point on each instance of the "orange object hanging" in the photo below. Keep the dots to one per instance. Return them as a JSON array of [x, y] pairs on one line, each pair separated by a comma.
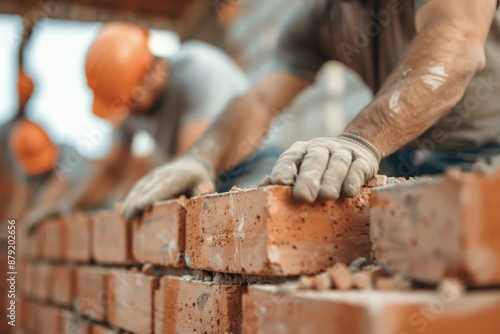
[[25, 88], [32, 148], [116, 63]]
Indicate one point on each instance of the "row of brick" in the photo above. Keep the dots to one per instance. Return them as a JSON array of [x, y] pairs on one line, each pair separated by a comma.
[[425, 230], [147, 304], [134, 301], [267, 310], [41, 318], [259, 231]]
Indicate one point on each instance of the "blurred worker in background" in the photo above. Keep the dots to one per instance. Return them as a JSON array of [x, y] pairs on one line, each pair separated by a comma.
[[174, 99], [46, 172], [423, 59], [25, 89]]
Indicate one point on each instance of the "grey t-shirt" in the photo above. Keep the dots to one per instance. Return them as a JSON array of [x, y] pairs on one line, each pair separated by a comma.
[[202, 81], [371, 37]]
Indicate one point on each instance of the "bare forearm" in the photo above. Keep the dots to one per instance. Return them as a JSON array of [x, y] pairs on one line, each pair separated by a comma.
[[431, 78], [429, 82], [240, 130], [236, 135]]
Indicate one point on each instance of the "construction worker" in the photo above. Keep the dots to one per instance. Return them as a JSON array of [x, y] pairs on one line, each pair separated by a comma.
[[174, 99], [46, 172], [7, 181], [433, 65]]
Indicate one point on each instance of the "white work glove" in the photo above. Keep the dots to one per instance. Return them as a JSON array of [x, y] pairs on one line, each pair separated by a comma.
[[181, 176], [326, 167]]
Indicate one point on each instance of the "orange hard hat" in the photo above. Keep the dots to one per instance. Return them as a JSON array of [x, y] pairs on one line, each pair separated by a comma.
[[116, 63], [32, 148], [24, 87]]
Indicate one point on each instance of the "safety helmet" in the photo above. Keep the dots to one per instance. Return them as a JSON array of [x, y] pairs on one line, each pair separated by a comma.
[[116, 63], [32, 148], [24, 87]]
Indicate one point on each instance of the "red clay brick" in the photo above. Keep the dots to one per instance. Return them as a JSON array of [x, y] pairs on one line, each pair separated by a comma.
[[183, 306], [266, 232], [130, 300], [53, 240], [448, 227], [28, 280], [159, 237], [78, 234], [111, 238], [39, 281], [365, 312], [63, 285], [28, 316], [91, 292], [98, 329], [49, 320], [29, 245]]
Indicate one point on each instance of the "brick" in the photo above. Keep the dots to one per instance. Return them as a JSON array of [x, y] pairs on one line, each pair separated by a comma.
[[370, 312], [49, 319], [111, 239], [28, 316], [446, 227], [53, 241], [130, 300], [28, 281], [29, 245], [24, 315], [265, 231], [267, 311], [99, 329], [39, 281], [91, 292], [78, 235], [159, 237], [183, 306], [63, 285]]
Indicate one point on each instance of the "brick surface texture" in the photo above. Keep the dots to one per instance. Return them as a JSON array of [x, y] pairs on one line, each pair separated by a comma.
[[111, 239], [430, 230], [266, 311], [183, 306], [92, 292], [130, 301], [158, 237], [266, 232], [78, 235]]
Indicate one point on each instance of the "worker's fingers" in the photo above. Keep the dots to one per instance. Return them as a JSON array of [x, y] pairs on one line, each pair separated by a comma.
[[335, 174], [129, 210], [358, 173], [285, 170], [167, 188], [308, 181], [131, 196]]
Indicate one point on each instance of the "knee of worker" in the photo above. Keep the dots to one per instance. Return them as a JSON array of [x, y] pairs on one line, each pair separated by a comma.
[[250, 172]]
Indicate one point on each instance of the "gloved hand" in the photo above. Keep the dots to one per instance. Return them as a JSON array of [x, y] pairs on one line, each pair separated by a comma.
[[180, 176], [326, 167], [42, 213]]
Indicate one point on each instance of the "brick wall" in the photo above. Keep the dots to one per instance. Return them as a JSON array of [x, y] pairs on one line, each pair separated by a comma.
[[257, 261]]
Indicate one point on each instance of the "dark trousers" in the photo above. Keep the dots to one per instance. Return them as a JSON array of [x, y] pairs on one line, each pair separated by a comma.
[[416, 162]]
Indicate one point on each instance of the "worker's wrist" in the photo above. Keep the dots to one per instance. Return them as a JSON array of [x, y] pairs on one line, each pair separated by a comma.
[[358, 140], [202, 160]]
